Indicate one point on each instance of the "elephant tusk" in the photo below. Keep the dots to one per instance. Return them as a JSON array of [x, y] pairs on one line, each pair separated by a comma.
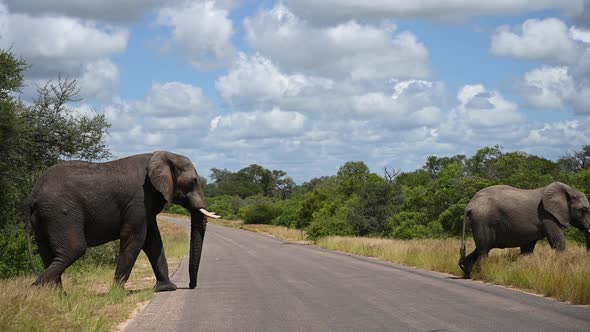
[[209, 214]]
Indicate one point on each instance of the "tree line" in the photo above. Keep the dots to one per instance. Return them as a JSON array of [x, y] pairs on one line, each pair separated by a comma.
[[425, 203]]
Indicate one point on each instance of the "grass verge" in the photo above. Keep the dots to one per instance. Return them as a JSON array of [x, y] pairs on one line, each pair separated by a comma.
[[87, 302], [563, 276]]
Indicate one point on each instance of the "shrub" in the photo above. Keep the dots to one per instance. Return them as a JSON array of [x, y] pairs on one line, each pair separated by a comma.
[[289, 213], [451, 219], [332, 219], [176, 209], [263, 211], [226, 206], [14, 259], [408, 225], [106, 254]]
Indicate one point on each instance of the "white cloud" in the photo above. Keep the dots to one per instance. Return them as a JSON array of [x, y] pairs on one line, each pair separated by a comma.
[[72, 48], [114, 10], [173, 99], [202, 31], [347, 50], [552, 41], [258, 124], [332, 11], [255, 79], [548, 87], [548, 39], [481, 108], [100, 80], [170, 114]]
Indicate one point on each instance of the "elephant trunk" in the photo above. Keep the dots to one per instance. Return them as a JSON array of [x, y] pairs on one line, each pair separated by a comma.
[[198, 225], [587, 233]]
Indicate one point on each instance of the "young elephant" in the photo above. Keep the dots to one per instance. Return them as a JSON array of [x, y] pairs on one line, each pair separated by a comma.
[[507, 217], [78, 204]]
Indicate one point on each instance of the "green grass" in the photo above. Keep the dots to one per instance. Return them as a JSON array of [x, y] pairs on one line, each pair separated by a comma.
[[87, 302]]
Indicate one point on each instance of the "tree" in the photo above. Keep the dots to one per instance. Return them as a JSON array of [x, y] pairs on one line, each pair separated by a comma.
[[33, 138], [283, 184], [576, 161], [482, 163], [436, 164]]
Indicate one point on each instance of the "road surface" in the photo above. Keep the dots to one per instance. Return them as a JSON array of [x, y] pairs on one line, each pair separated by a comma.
[[252, 282]]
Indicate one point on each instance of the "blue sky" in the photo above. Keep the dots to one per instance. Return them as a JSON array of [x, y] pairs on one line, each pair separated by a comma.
[[305, 86]]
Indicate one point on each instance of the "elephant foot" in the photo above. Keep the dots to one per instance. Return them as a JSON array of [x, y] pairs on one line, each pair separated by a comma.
[[466, 270], [165, 287]]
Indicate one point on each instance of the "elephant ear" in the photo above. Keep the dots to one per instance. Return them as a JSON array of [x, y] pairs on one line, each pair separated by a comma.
[[160, 174], [556, 201]]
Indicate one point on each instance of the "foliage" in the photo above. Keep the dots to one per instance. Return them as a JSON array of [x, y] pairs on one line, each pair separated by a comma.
[[428, 202], [331, 219], [34, 137], [260, 211]]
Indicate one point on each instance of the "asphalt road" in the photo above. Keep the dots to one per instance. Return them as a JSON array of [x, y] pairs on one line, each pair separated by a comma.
[[252, 282]]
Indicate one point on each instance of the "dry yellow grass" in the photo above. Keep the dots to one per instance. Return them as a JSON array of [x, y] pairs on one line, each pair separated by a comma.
[[280, 232], [563, 276], [89, 303]]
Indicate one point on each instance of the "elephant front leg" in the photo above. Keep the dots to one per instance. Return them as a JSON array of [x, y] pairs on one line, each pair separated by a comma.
[[554, 234], [132, 240], [154, 249]]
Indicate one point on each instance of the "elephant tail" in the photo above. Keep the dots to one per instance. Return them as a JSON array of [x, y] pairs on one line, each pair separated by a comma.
[[463, 249], [29, 220]]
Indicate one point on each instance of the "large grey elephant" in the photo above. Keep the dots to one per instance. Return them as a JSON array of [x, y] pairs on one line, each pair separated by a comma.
[[76, 204], [507, 217]]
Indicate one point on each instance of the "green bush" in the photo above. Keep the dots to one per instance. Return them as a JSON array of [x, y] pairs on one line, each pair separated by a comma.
[[14, 259], [451, 220], [330, 220], [261, 212], [289, 213], [408, 225], [176, 209], [226, 206], [106, 254]]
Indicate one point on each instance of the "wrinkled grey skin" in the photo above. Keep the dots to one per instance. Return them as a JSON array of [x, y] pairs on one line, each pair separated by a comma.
[[508, 217], [75, 205]]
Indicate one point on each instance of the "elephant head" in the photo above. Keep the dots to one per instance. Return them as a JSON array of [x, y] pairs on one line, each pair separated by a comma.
[[568, 205], [175, 177]]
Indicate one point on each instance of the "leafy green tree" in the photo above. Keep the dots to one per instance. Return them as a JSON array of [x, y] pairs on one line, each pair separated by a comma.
[[331, 220], [576, 161], [376, 202], [482, 163], [33, 138]]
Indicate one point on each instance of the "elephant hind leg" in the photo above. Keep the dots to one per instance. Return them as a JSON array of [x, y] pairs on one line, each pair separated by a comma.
[[528, 249], [466, 264], [62, 247]]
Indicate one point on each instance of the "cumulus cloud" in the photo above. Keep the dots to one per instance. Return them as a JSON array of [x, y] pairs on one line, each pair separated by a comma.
[[201, 30], [113, 10], [69, 47], [347, 50], [255, 79], [565, 82], [548, 87], [331, 11], [170, 114], [258, 124], [548, 39]]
